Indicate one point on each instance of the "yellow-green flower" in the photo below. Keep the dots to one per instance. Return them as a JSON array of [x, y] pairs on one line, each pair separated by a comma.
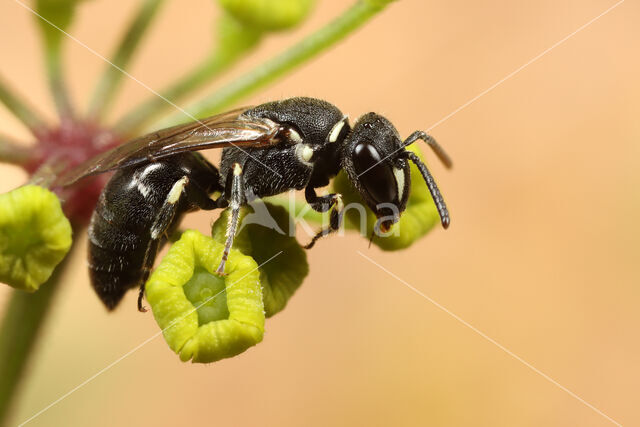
[[206, 317], [268, 15], [34, 236], [266, 234], [417, 220]]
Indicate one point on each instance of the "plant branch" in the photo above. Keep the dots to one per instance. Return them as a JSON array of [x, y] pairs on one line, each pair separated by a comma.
[[137, 119], [111, 79], [23, 320], [353, 18], [57, 84], [13, 152], [234, 41], [19, 108]]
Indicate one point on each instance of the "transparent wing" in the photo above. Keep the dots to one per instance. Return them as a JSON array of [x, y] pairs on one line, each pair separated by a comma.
[[218, 131]]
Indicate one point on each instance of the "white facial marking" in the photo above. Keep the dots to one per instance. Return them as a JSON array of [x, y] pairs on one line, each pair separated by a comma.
[[335, 132], [237, 169], [294, 136], [176, 190], [304, 153], [399, 173]]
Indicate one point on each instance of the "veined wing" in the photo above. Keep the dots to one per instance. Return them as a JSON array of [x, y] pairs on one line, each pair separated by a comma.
[[222, 130]]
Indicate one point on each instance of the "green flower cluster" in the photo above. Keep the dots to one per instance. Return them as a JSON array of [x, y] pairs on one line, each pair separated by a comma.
[[34, 236], [206, 317], [283, 261]]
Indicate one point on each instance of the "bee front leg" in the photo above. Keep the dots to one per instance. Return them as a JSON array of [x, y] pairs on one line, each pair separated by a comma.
[[331, 201], [235, 203]]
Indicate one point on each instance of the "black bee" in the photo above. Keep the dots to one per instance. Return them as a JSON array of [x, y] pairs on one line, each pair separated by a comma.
[[297, 143]]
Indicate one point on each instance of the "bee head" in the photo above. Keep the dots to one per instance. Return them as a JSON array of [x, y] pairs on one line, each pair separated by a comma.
[[372, 160]]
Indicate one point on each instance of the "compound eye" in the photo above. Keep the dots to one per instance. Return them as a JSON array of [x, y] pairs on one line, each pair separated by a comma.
[[374, 175]]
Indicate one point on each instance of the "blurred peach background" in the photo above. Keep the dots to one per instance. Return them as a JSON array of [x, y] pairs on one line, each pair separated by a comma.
[[542, 254]]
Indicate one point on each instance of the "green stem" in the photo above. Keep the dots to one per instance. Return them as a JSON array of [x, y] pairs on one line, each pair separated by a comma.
[[338, 29], [234, 41], [13, 152], [137, 119], [23, 319], [57, 84], [111, 79], [19, 108]]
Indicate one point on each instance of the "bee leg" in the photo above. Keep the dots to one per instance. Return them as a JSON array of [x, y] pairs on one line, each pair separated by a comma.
[[161, 224], [319, 203], [331, 201], [141, 308], [237, 187], [441, 206], [431, 142], [147, 265]]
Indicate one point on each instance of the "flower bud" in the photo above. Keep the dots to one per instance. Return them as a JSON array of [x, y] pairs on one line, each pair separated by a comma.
[[206, 317], [266, 233], [34, 236], [268, 15], [417, 220]]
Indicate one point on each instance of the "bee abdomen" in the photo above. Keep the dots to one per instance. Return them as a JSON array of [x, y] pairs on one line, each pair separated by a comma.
[[116, 258]]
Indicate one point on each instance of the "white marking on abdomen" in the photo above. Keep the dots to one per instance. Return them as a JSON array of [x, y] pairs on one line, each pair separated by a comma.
[[150, 168]]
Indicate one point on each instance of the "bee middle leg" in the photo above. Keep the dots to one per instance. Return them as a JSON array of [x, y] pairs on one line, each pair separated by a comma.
[[331, 201], [235, 203]]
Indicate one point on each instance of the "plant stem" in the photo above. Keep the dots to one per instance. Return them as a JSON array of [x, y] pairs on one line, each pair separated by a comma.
[[111, 79], [137, 119], [23, 319], [336, 30], [57, 84], [19, 108], [235, 40], [13, 152]]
